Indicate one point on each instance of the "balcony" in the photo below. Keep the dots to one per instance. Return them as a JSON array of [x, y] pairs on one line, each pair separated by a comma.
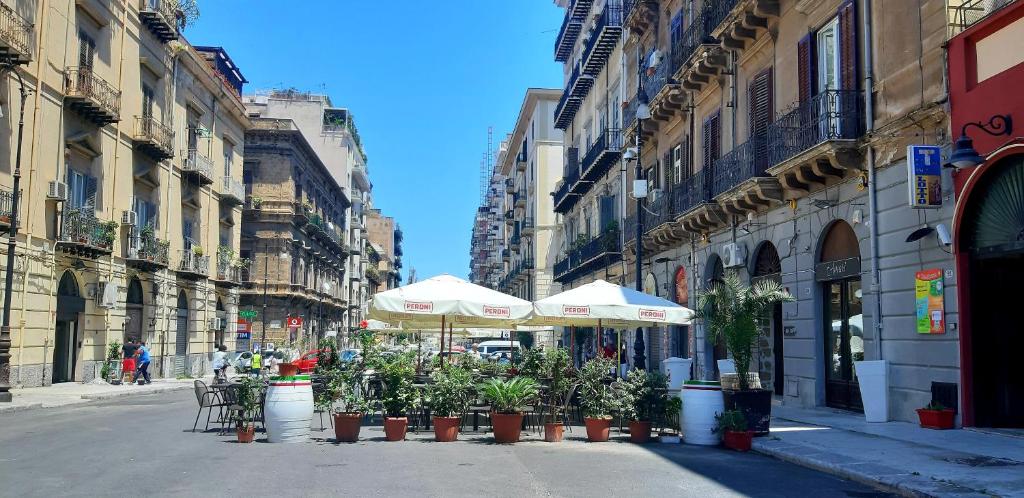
[[521, 162], [144, 251], [564, 198], [666, 98], [7, 207], [506, 255], [520, 198], [741, 183], [373, 275], [697, 57], [589, 255], [580, 8], [510, 216], [230, 270], [161, 17], [153, 137], [739, 21], [567, 35], [577, 89], [639, 15], [231, 191], [817, 143], [192, 265], [197, 167], [604, 153], [510, 185], [514, 241], [17, 37], [603, 38], [694, 203], [963, 14], [91, 96], [526, 227], [84, 235]]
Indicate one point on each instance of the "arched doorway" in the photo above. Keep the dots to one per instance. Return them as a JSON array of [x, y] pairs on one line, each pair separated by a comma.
[[181, 337], [990, 255], [714, 272], [766, 266], [133, 311], [66, 338], [838, 272]]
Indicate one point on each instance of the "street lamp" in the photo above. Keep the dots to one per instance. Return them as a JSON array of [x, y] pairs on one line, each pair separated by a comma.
[[639, 193], [964, 155], [12, 235]]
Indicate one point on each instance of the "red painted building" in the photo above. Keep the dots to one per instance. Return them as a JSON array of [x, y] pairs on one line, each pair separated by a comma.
[[986, 80]]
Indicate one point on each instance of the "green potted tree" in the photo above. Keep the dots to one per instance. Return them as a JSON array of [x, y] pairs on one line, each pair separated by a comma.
[[936, 416], [398, 395], [644, 396], [732, 426], [597, 399], [673, 408], [507, 398], [554, 369], [345, 385], [732, 310], [448, 400], [247, 397]]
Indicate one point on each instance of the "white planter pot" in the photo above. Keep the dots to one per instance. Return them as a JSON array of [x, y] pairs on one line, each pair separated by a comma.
[[701, 402], [873, 378], [678, 371]]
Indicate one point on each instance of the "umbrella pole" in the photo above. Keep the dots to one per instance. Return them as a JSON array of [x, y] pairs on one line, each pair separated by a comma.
[[618, 354], [451, 332], [442, 342], [599, 340], [419, 351], [572, 343]]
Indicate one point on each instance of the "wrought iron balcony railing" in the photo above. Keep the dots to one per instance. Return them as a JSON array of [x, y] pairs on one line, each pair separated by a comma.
[[830, 115], [581, 257], [510, 185], [520, 198], [232, 190], [161, 17], [153, 137], [145, 249], [17, 38], [717, 11], [197, 166], [191, 264], [660, 210], [229, 269], [85, 233], [693, 191], [564, 198], [602, 154], [696, 34], [745, 161], [603, 38], [567, 36], [527, 227], [7, 207], [92, 96]]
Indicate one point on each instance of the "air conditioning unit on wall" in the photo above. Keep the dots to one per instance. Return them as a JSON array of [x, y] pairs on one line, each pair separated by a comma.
[[57, 191], [130, 218], [734, 255], [217, 323]]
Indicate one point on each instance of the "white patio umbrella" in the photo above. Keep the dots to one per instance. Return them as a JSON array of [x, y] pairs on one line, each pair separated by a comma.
[[604, 304], [451, 301]]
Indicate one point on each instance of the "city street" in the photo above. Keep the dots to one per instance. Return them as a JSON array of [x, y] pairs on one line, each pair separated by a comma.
[[142, 445]]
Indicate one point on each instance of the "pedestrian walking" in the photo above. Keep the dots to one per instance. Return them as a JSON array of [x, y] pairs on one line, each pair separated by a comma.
[[142, 355], [257, 363], [220, 364]]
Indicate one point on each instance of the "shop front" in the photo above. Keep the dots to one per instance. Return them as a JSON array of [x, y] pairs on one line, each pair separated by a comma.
[[838, 275]]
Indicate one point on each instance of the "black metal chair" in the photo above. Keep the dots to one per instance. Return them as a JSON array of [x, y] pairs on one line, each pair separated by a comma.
[[208, 399]]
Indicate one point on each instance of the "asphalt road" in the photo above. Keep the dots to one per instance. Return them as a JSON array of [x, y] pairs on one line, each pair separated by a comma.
[[142, 446]]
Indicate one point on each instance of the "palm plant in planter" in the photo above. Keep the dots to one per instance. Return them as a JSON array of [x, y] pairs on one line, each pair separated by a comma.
[[554, 369], [732, 425], [644, 399], [398, 395], [448, 400], [507, 397], [247, 398], [344, 387], [597, 399], [731, 310]]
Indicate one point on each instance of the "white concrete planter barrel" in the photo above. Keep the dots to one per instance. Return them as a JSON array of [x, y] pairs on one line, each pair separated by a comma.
[[677, 370], [702, 400], [288, 409], [873, 378]]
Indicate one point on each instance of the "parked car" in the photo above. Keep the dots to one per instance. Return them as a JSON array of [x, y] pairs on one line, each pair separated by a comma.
[[307, 362], [489, 347], [241, 360]]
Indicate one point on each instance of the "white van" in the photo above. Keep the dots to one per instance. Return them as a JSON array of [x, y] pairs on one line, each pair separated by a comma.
[[487, 348]]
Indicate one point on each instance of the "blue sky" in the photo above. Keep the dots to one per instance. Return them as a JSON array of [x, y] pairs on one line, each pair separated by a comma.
[[424, 81]]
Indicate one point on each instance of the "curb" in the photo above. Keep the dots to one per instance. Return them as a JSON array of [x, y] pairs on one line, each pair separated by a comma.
[[20, 408], [127, 392]]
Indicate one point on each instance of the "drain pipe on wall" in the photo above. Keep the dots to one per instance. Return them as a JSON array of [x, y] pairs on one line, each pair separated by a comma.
[[869, 127]]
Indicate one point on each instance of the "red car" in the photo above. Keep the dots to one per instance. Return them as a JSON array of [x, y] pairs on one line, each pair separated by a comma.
[[307, 362]]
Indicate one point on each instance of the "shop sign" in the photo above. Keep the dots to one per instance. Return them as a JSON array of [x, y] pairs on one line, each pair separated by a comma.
[[247, 314], [837, 270], [275, 324], [294, 322], [924, 170], [931, 310]]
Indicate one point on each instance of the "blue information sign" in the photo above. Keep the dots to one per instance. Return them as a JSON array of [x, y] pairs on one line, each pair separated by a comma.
[[924, 169]]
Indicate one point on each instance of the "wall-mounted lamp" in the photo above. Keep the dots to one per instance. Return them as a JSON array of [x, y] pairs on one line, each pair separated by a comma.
[[940, 230], [964, 155]]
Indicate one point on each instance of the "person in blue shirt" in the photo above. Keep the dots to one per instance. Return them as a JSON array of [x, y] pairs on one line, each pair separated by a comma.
[[142, 353]]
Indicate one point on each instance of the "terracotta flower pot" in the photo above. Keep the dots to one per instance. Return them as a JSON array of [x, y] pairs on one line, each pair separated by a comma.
[[287, 369], [246, 434], [395, 427], [739, 441], [639, 431], [553, 432], [446, 429], [346, 427], [598, 429], [507, 427], [936, 419]]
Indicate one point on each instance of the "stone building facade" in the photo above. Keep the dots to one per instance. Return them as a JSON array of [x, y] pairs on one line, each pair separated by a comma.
[[130, 184]]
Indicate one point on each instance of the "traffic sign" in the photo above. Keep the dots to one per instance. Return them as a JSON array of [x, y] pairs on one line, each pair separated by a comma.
[[294, 322], [247, 314]]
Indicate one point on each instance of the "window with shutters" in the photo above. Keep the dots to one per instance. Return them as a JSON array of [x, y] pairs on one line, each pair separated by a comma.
[[676, 29], [759, 101], [148, 96], [229, 157], [81, 190], [827, 49], [86, 50], [677, 163], [712, 134], [666, 166]]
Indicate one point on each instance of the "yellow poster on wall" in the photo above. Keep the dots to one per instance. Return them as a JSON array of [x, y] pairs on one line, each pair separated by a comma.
[[931, 311]]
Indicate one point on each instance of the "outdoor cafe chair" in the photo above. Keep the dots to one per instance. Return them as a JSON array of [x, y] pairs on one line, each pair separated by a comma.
[[208, 399]]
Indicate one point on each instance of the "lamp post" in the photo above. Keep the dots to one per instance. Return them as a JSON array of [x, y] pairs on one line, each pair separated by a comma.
[[964, 155], [642, 113], [12, 234]]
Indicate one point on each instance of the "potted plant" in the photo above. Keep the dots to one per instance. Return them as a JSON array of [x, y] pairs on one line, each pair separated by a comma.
[[596, 398], [197, 251], [345, 387], [108, 231], [506, 398], [397, 395], [936, 416], [732, 310], [732, 425], [257, 202], [448, 400], [554, 369], [673, 407], [644, 399], [111, 366], [247, 397]]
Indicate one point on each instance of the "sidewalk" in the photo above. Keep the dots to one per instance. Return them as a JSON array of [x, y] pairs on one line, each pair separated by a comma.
[[899, 456], [73, 393]]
